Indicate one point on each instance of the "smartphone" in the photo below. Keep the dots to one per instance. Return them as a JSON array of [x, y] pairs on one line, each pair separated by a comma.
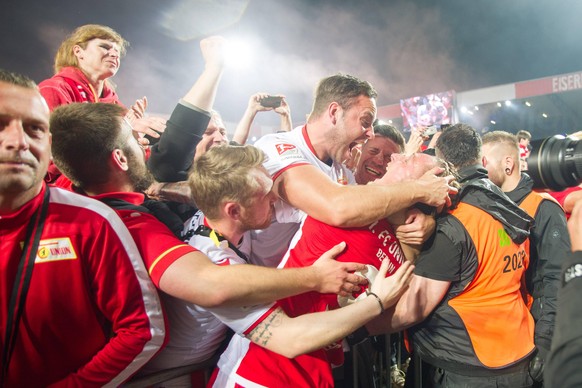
[[271, 101], [430, 131]]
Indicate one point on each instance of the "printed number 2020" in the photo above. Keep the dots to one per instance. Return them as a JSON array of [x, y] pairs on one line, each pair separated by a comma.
[[514, 262]]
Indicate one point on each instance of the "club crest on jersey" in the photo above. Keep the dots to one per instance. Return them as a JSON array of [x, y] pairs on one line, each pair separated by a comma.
[[284, 148], [55, 249]]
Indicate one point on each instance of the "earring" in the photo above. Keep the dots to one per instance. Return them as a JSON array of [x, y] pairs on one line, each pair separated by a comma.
[[507, 170]]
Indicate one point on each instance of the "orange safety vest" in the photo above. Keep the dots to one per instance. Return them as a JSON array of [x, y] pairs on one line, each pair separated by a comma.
[[491, 306]]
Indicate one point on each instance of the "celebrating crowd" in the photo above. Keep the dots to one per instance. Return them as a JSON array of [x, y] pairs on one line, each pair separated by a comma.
[[133, 245]]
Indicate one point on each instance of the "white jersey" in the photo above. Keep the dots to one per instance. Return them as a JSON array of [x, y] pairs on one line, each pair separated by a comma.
[[197, 332], [286, 150]]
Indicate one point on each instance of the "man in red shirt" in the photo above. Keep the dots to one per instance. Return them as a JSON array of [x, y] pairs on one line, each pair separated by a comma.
[[76, 305]]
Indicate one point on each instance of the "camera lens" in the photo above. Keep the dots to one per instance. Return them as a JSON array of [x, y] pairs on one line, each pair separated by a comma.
[[555, 162]]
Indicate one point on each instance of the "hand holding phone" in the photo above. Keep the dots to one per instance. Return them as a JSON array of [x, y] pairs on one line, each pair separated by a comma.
[[271, 101]]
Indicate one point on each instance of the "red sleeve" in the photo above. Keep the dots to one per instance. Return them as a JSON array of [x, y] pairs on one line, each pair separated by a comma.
[[560, 196], [125, 296], [156, 243]]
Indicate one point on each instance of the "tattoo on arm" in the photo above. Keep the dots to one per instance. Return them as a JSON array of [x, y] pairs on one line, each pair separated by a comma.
[[262, 333]]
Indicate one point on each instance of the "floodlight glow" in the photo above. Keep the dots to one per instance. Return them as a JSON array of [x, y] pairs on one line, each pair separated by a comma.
[[238, 53], [527, 103], [476, 107], [493, 122], [389, 121], [464, 109], [545, 116], [499, 104], [507, 103]]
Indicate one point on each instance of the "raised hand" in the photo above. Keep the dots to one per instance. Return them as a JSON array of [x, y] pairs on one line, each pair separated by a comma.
[[390, 289]]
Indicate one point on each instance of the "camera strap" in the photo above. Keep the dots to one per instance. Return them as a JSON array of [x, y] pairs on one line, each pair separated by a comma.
[[217, 238], [22, 283]]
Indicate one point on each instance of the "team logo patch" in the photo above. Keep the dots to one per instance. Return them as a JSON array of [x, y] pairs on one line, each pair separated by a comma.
[[286, 149], [55, 249]]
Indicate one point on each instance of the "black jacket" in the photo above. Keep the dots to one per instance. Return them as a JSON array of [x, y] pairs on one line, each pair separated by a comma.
[[549, 247], [172, 156]]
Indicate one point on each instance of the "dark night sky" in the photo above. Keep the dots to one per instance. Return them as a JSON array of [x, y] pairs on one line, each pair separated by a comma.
[[405, 48]]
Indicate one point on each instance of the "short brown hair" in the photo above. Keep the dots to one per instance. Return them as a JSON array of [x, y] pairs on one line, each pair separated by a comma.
[[17, 79], [81, 36], [341, 88], [224, 173], [459, 145], [382, 129], [84, 135], [523, 134]]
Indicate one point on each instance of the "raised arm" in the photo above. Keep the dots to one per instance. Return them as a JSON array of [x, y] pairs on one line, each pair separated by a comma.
[[310, 190], [419, 300], [285, 112], [291, 337], [254, 106], [172, 156]]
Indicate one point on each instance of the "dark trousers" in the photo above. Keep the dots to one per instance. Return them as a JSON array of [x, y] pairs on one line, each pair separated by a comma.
[[434, 377]]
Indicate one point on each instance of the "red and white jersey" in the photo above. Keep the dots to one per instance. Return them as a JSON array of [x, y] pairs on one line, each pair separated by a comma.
[[197, 332], [92, 315], [286, 150], [160, 248], [248, 365]]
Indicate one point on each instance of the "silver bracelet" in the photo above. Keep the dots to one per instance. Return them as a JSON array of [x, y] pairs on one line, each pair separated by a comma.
[[378, 299]]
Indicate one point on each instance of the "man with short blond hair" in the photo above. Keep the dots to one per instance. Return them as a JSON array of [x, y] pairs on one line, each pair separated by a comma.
[[549, 239]]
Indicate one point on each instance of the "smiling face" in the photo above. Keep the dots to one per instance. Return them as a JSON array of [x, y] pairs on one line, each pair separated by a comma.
[[100, 59], [24, 141], [375, 156], [353, 126]]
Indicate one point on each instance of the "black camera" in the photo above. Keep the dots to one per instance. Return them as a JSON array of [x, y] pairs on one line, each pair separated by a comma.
[[555, 162]]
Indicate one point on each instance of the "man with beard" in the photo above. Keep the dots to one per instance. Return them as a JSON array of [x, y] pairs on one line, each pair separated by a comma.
[[549, 239], [98, 152], [76, 306]]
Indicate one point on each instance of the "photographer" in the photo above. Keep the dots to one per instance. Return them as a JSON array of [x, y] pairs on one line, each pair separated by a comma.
[[563, 365]]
